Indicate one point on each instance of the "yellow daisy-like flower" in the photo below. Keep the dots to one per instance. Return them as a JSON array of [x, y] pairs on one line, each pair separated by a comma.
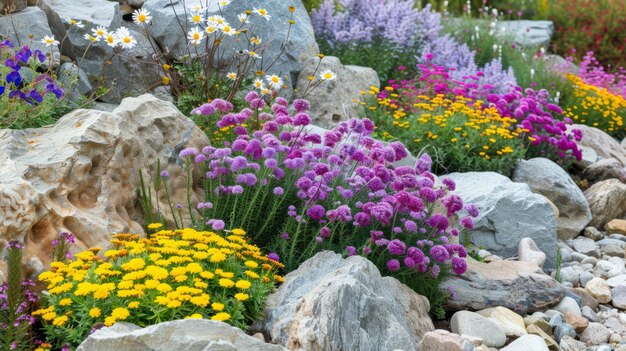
[[226, 283], [94, 312], [222, 316], [59, 321], [216, 306], [133, 305], [243, 284], [158, 225], [242, 296], [251, 264], [65, 302]]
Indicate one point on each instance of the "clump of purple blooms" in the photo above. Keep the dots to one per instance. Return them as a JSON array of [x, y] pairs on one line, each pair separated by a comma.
[[341, 190], [13, 83]]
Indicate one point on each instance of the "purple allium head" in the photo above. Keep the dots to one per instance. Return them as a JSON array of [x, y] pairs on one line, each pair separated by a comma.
[[301, 105], [439, 253], [459, 266], [237, 189], [396, 247], [188, 152], [424, 163], [251, 96], [351, 250], [273, 256], [316, 212], [278, 191], [325, 232], [472, 210], [393, 265], [301, 119], [467, 222], [165, 174], [218, 224], [361, 219], [285, 236]]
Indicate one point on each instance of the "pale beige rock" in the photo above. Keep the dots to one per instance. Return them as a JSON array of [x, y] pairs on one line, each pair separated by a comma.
[[443, 340], [607, 201], [511, 323], [185, 334], [528, 251], [599, 289], [81, 175], [616, 226], [550, 342], [578, 322], [603, 144]]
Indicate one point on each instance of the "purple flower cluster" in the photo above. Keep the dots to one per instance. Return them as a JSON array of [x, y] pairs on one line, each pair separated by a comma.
[[339, 187], [32, 93], [367, 20], [536, 115]]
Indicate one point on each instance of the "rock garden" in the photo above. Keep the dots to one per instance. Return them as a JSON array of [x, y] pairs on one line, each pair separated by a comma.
[[312, 175]]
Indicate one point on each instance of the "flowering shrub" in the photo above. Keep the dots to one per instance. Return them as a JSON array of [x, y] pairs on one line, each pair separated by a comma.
[[582, 26], [172, 275], [371, 33], [17, 299], [591, 72], [27, 98], [304, 192], [597, 107], [469, 126]]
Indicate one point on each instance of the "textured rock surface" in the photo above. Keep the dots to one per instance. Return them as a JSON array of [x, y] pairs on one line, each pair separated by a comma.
[[527, 343], [510, 322], [595, 334], [508, 212], [332, 303], [604, 169], [550, 180], [31, 21], [300, 47], [529, 252], [475, 325], [333, 101], [519, 286], [443, 340], [603, 144], [528, 33], [187, 334], [81, 175], [607, 201], [616, 226]]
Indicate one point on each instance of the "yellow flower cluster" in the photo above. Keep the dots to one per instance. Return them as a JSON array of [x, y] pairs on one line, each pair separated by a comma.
[[171, 275], [459, 120], [597, 107]]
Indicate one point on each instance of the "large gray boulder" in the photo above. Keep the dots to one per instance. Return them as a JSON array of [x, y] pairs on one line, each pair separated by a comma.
[[339, 99], [31, 21], [517, 285], [332, 303], [181, 335], [81, 175], [550, 180], [508, 212], [290, 50], [607, 201], [527, 33]]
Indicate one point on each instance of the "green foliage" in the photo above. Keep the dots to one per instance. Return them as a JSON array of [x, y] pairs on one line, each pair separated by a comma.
[[532, 68], [14, 333], [312, 4], [380, 55], [598, 26]]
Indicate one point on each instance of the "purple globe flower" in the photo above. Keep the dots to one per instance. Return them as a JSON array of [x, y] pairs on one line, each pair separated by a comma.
[[316, 212], [459, 266], [393, 265], [273, 256], [396, 247]]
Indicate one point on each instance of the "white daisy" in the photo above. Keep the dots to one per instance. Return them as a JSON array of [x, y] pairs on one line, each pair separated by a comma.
[[217, 20], [73, 22], [210, 29], [195, 35], [227, 29], [124, 38], [255, 40], [263, 13], [253, 54], [258, 83], [224, 3], [49, 40], [196, 18], [99, 32], [274, 82], [142, 17], [111, 39], [243, 17], [327, 75], [92, 38], [232, 76]]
